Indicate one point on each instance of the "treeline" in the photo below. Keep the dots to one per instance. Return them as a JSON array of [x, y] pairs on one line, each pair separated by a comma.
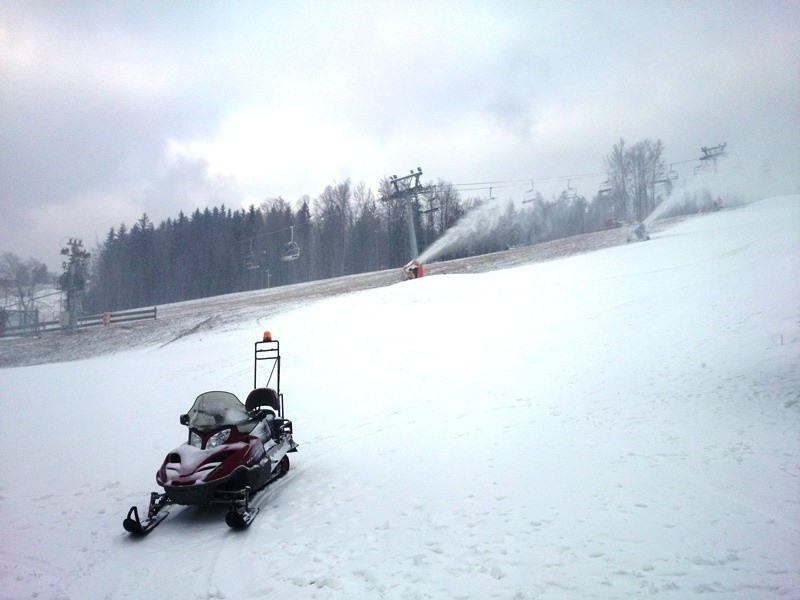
[[347, 229]]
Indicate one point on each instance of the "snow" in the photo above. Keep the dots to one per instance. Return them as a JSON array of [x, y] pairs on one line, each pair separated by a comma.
[[616, 424]]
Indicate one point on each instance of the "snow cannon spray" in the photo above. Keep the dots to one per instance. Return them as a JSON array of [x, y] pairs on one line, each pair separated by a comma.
[[477, 224], [472, 226]]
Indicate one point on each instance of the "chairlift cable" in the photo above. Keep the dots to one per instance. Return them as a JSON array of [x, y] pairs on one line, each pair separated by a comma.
[[475, 186]]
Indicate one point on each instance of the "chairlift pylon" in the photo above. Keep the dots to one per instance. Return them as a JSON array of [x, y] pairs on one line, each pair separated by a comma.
[[290, 251]]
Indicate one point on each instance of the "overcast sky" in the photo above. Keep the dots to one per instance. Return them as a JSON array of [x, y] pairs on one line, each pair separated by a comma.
[[112, 109]]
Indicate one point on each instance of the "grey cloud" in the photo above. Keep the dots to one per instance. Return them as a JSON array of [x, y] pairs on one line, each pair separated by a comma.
[[558, 84]]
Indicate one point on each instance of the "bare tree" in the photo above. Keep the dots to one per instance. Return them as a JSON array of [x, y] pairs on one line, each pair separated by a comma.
[[333, 212], [21, 277], [617, 168], [367, 232], [633, 173]]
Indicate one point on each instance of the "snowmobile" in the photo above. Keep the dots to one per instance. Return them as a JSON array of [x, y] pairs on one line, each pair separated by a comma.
[[233, 452]]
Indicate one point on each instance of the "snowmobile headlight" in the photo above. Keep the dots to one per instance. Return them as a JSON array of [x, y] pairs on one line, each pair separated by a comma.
[[218, 438], [195, 440]]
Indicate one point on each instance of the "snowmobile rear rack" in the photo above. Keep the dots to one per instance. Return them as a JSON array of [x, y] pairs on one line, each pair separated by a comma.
[[269, 350]]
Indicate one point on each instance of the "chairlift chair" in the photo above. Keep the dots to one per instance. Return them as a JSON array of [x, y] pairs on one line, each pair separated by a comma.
[[570, 193], [490, 203], [525, 199], [673, 174], [250, 263], [250, 259], [432, 206], [290, 251]]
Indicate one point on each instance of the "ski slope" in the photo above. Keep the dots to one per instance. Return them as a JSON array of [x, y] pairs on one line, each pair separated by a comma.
[[617, 424]]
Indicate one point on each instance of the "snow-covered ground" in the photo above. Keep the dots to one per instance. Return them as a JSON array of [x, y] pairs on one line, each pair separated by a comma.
[[617, 424]]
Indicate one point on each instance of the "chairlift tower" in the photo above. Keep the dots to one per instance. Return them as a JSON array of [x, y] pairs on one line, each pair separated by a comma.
[[408, 188], [73, 281]]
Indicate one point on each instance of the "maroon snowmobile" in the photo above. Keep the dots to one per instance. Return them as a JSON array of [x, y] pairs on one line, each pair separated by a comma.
[[233, 452]]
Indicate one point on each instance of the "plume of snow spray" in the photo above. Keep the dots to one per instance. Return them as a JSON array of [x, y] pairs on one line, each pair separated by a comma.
[[669, 202], [731, 183], [474, 225]]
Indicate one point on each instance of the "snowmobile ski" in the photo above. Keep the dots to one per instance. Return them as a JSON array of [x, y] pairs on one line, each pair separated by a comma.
[[133, 525], [155, 514], [241, 518]]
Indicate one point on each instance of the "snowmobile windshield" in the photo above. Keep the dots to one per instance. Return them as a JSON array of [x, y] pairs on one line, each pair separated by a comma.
[[216, 409]]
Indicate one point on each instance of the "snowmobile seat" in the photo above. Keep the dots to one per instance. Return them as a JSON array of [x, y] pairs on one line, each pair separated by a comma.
[[263, 397]]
